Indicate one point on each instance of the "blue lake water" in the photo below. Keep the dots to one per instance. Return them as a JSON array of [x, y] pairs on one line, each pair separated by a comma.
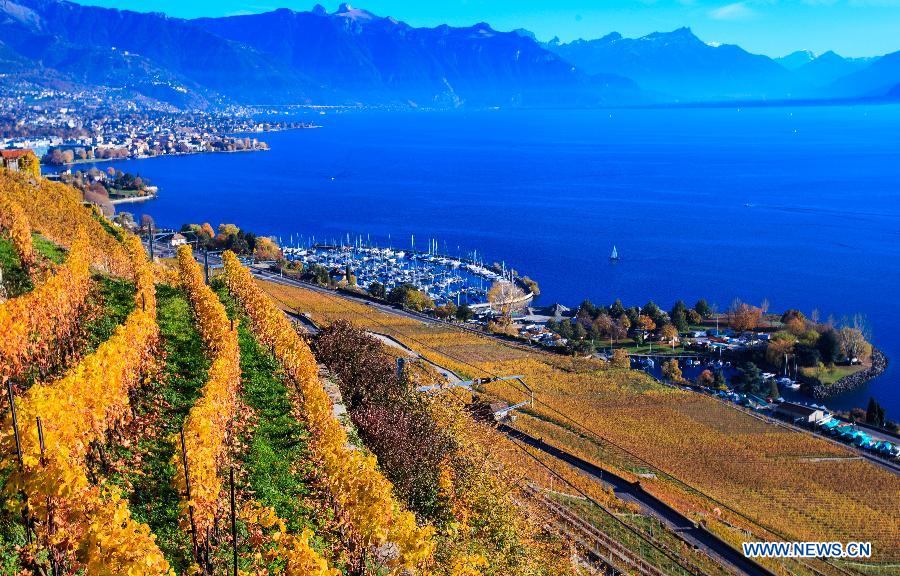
[[551, 192]]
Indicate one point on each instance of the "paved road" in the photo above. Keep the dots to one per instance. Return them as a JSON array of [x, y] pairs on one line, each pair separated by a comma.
[[449, 375]]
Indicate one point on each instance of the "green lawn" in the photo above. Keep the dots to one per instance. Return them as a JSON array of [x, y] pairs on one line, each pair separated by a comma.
[[657, 348], [829, 376]]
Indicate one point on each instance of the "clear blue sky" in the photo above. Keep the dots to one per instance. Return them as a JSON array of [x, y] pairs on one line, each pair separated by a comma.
[[773, 27]]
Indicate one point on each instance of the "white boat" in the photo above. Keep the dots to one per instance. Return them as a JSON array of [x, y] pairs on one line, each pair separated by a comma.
[[615, 254]]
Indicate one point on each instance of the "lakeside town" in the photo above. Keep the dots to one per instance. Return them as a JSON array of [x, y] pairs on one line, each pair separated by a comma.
[[64, 128]]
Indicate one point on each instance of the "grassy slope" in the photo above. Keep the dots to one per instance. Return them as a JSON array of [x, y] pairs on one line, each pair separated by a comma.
[[159, 413], [15, 277], [277, 461], [48, 249]]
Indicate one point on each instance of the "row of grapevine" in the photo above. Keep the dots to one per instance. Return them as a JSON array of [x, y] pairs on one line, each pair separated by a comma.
[[55, 210], [15, 223], [85, 526], [207, 426], [362, 494], [276, 544], [36, 325]]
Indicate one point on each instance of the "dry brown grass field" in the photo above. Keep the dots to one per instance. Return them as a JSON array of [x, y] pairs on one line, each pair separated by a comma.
[[713, 462]]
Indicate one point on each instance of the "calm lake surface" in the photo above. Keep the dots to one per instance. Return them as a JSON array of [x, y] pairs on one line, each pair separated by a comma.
[[551, 192]]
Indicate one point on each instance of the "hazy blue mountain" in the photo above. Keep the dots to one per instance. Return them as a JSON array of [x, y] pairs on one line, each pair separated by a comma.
[[812, 77], [285, 56], [353, 56], [365, 55], [680, 65], [877, 79], [796, 59], [121, 47]]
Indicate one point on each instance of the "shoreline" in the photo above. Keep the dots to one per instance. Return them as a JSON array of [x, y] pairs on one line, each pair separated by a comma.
[[129, 158], [133, 199], [853, 381]]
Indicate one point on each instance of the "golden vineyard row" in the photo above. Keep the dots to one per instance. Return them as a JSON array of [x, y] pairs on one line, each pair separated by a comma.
[[14, 221], [207, 424], [33, 324], [362, 494], [207, 427]]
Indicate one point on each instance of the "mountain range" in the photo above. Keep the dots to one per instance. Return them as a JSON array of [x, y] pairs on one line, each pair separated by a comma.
[[352, 56]]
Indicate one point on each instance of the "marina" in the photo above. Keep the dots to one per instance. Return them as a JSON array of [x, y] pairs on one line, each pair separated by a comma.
[[444, 278]]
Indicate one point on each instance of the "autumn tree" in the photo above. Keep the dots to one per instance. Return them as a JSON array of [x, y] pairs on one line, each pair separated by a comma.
[[620, 328], [147, 222], [706, 379], [743, 317], [620, 359], [446, 311], [532, 285], [409, 296], [779, 348], [603, 325], [694, 316], [646, 323], [672, 371], [853, 344], [267, 249], [669, 333]]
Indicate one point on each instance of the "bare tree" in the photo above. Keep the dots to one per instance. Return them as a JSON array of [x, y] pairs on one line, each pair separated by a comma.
[[504, 296]]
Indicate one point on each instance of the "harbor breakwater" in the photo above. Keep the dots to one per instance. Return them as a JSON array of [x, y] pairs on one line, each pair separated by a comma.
[[854, 381]]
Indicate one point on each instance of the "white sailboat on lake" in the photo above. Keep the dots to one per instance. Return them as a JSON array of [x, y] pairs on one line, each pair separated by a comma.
[[615, 254]]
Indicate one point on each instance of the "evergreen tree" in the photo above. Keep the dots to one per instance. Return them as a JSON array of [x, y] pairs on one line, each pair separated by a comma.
[[679, 316], [748, 378], [703, 309], [872, 411], [719, 380]]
